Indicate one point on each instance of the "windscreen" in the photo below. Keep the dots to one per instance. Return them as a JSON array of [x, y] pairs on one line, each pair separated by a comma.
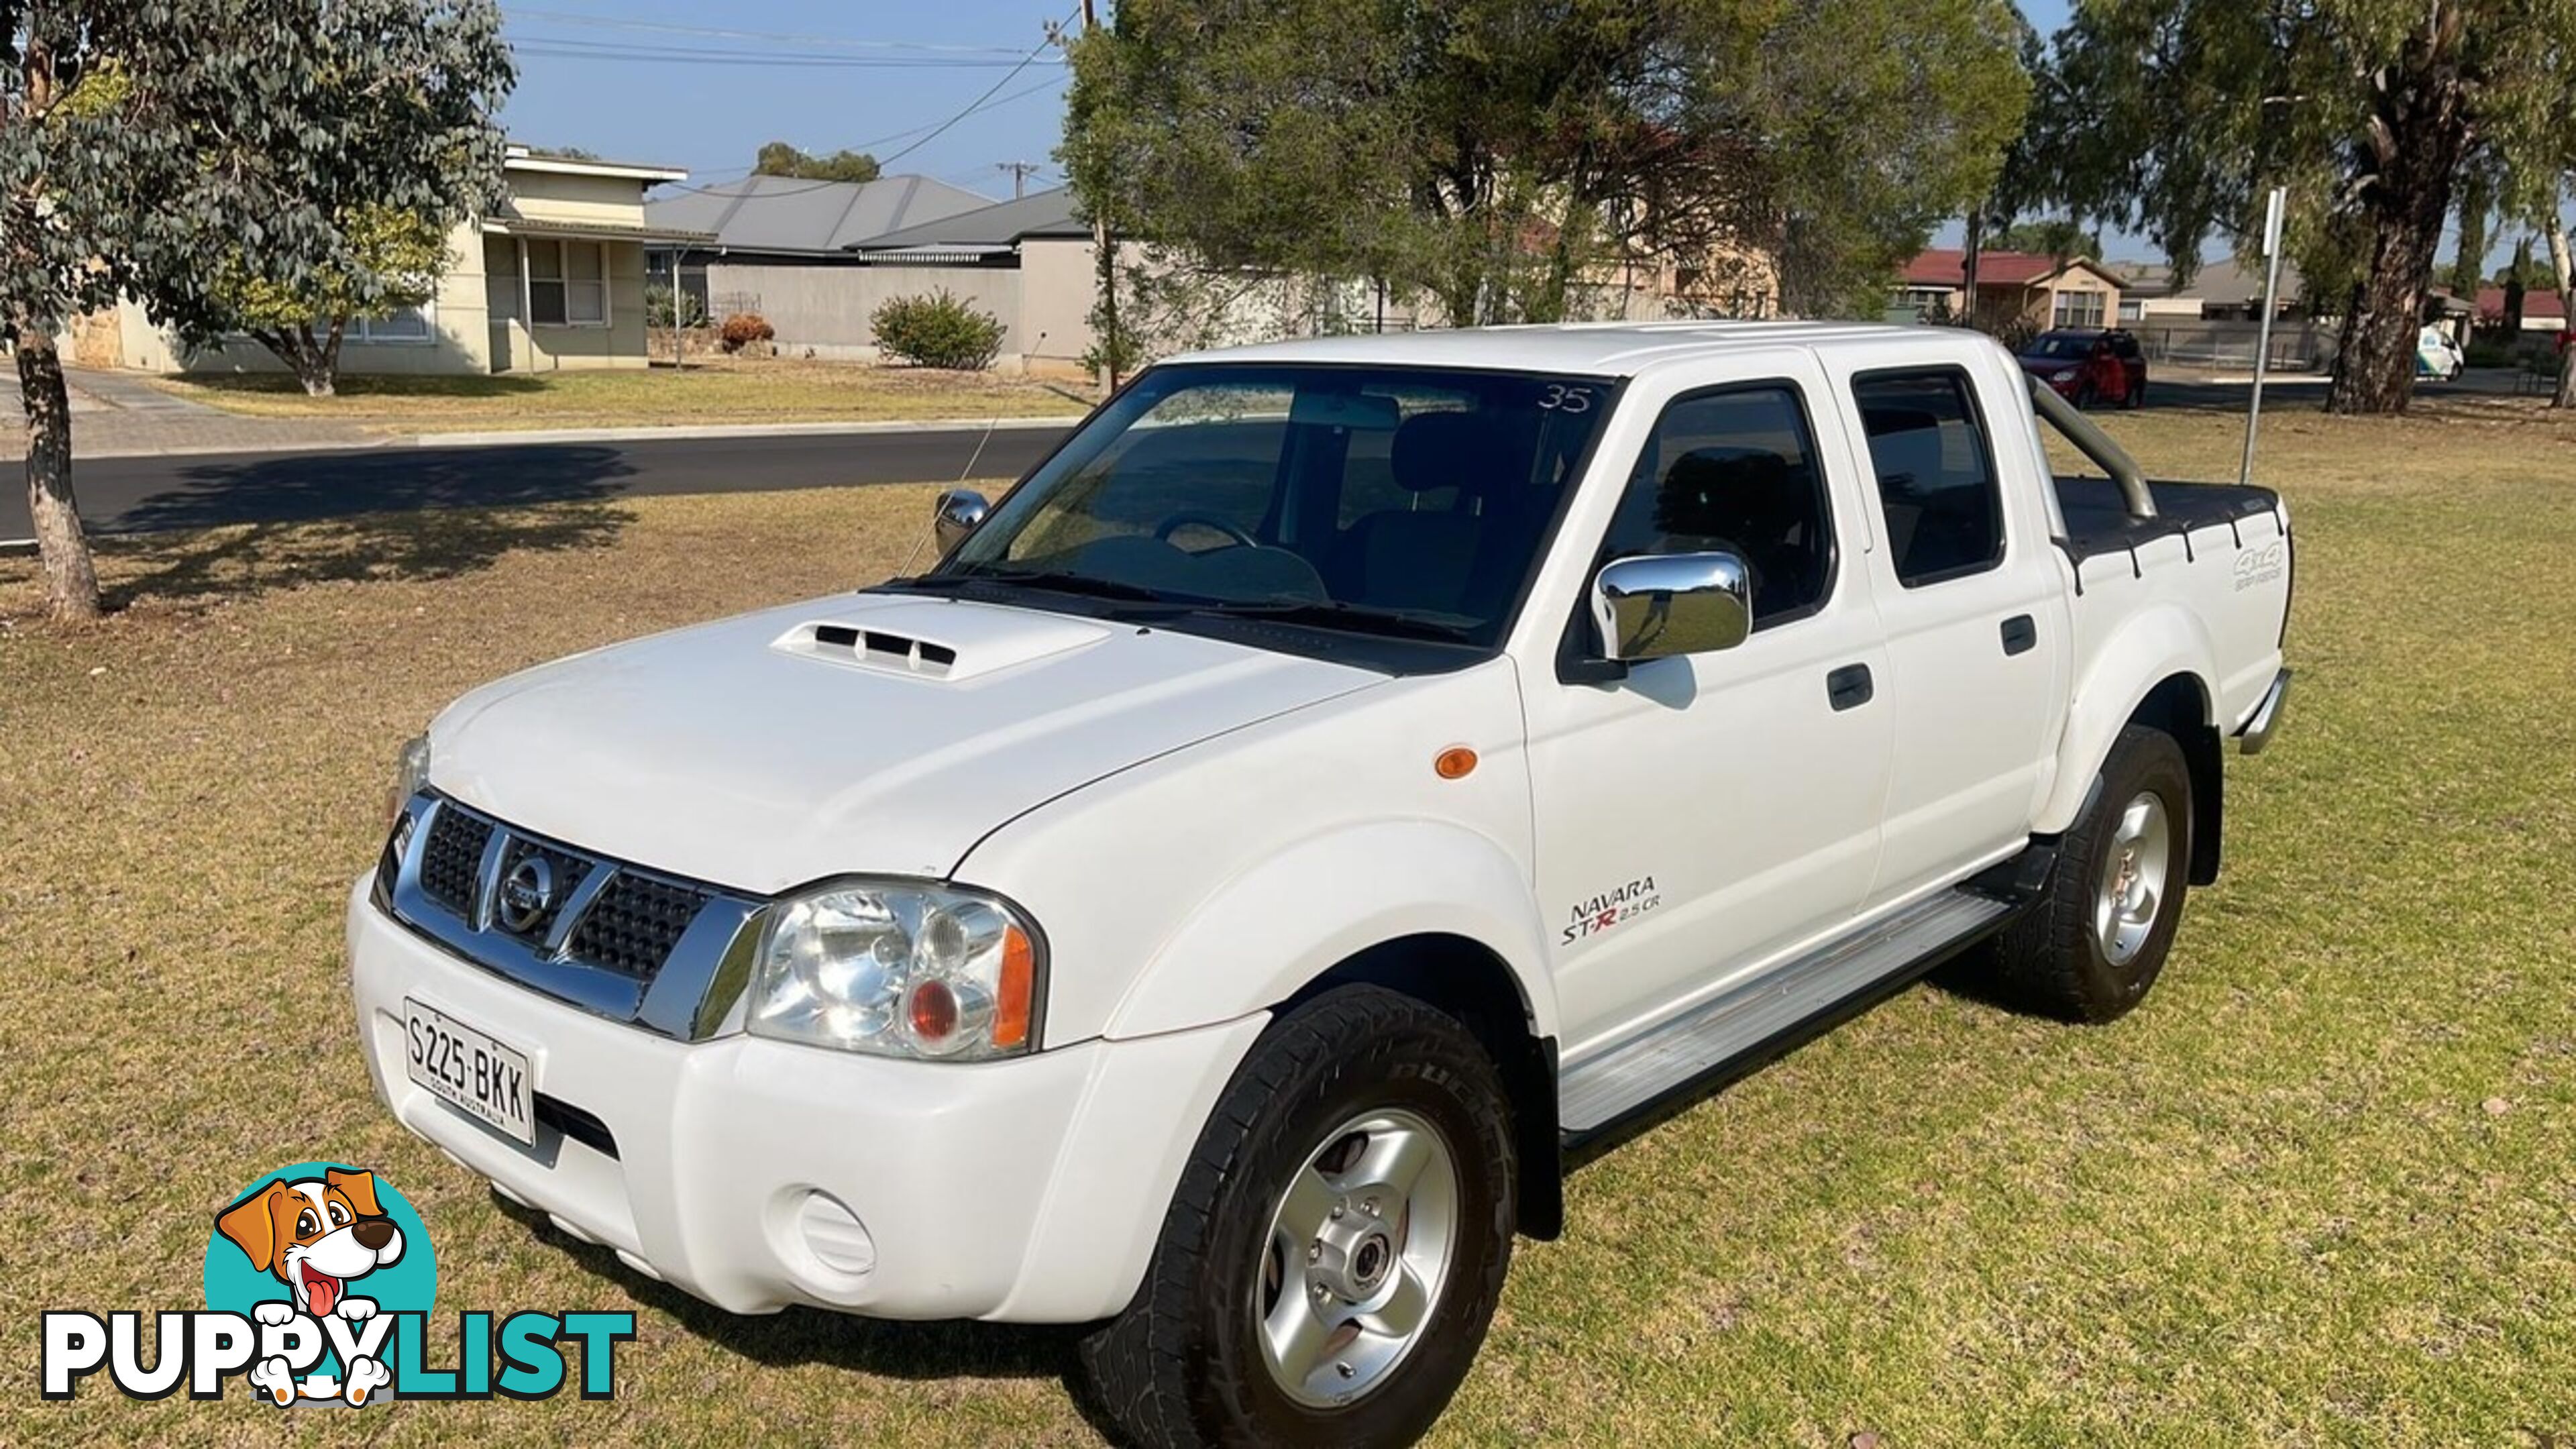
[[1367, 498]]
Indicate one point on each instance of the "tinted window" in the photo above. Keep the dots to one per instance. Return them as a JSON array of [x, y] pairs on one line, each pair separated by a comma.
[[1411, 492], [1735, 470], [1936, 475]]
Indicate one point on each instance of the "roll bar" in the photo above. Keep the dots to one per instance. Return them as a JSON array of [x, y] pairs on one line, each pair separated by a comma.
[[2097, 445]]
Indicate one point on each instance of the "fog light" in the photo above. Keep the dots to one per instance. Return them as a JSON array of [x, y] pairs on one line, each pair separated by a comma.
[[834, 1235]]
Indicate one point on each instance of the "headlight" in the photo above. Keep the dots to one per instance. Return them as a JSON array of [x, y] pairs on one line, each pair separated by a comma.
[[2066, 375], [411, 774], [900, 969]]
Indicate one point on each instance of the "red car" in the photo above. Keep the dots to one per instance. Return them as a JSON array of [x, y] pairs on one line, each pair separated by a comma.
[[2087, 365]]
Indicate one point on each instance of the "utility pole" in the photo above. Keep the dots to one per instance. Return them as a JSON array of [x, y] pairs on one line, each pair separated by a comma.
[[1020, 171]]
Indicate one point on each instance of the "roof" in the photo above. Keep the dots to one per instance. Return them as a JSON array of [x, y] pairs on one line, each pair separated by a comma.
[[595, 231], [519, 158], [790, 214], [2220, 280], [2535, 304], [996, 227], [1947, 267], [1593, 349]]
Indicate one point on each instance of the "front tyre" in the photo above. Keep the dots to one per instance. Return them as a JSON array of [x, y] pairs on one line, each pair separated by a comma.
[[1337, 1243], [2097, 938]]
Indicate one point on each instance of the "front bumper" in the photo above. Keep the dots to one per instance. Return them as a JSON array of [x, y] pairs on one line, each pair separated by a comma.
[[1029, 1190]]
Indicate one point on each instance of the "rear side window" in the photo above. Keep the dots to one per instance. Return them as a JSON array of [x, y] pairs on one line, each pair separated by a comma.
[[1936, 474], [1735, 469]]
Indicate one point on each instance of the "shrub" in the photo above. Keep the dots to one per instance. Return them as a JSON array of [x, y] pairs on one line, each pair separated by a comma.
[[742, 329], [938, 330], [658, 306]]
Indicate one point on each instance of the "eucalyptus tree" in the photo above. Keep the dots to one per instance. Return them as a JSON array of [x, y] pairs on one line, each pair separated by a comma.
[[1498, 153], [171, 151], [2176, 116]]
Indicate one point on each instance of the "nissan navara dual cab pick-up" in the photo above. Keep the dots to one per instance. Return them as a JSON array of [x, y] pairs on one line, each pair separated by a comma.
[[1342, 778]]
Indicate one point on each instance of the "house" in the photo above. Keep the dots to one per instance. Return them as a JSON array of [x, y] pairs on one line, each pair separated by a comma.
[[785, 221], [2543, 312], [2023, 288], [1026, 262], [2220, 291], [553, 279]]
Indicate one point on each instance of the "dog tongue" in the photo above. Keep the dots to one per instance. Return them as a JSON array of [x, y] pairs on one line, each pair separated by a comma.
[[325, 1293]]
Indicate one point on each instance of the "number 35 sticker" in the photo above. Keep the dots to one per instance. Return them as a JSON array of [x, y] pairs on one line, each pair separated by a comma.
[[1557, 397]]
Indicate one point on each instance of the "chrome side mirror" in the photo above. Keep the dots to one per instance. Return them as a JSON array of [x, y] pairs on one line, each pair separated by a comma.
[[1654, 606], [956, 515]]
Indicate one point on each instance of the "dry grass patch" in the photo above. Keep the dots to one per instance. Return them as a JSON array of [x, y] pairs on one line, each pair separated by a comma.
[[721, 390], [2318, 1192]]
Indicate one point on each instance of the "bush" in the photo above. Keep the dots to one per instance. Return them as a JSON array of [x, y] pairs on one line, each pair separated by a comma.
[[658, 307], [938, 330], [742, 329]]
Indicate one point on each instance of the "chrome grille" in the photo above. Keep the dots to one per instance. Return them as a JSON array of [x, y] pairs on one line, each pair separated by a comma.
[[616, 939]]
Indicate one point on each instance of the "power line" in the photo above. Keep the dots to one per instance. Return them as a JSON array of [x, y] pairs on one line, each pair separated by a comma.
[[978, 103], [623, 23], [982, 104], [680, 55]]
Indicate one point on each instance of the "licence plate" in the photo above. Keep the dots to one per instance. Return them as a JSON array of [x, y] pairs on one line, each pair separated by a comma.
[[470, 1071]]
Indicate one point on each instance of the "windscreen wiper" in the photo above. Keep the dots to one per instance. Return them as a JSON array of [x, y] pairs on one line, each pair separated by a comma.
[[1335, 614], [1052, 580]]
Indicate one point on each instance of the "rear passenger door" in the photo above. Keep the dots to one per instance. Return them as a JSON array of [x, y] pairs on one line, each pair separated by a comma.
[[1972, 606]]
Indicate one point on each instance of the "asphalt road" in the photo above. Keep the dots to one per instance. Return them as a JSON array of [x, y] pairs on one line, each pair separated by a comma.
[[204, 490]]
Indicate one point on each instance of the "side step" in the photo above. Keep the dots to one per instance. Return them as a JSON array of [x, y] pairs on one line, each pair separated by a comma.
[[1596, 1093]]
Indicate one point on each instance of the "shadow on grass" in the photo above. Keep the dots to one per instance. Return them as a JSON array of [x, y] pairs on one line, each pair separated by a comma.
[[897, 1350], [477, 385], [409, 514]]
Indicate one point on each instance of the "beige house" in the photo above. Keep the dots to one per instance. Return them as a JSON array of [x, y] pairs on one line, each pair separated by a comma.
[[2013, 288], [553, 280]]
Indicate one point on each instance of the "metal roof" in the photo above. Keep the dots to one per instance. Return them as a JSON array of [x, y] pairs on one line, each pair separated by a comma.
[[1040, 213], [788, 214], [1603, 349]]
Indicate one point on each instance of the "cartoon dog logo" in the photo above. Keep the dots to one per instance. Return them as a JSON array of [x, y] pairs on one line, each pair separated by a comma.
[[315, 1235]]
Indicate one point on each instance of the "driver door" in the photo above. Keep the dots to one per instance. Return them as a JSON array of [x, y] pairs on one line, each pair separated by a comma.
[[1710, 813]]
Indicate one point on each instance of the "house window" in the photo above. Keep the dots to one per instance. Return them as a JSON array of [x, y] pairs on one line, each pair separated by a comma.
[[567, 283], [2078, 309], [413, 326]]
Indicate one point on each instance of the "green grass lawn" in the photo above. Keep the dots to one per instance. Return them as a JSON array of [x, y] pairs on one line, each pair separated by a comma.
[[721, 390], [2317, 1191]]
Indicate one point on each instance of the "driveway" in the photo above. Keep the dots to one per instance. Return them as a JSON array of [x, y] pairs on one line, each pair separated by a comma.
[[120, 413]]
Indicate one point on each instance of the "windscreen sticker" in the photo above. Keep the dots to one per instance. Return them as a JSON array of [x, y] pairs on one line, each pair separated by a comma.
[[1610, 909]]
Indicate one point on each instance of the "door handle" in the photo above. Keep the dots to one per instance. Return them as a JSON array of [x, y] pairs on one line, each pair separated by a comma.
[[1849, 687], [2020, 634]]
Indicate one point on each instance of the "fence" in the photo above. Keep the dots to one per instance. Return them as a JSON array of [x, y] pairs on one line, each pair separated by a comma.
[[2298, 345]]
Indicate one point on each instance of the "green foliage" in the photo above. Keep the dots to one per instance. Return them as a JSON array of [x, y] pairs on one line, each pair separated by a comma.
[[2175, 116], [937, 329], [2056, 237], [391, 260], [1501, 155], [781, 159], [659, 305]]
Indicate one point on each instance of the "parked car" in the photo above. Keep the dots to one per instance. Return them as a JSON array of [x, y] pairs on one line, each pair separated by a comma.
[[1345, 777], [2438, 355], [2087, 365]]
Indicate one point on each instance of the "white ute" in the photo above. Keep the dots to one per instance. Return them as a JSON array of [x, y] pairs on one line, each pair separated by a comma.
[[1343, 778]]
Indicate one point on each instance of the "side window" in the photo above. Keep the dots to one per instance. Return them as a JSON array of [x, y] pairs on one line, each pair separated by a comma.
[[1735, 469], [1936, 474]]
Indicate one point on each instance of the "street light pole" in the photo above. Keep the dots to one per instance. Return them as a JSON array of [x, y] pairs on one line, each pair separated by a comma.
[[2263, 334]]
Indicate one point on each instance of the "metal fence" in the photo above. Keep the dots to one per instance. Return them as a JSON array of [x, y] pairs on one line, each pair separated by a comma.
[[2298, 345]]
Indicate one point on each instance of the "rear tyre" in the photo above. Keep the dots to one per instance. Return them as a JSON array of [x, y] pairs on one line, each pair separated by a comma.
[[2096, 940], [1337, 1244]]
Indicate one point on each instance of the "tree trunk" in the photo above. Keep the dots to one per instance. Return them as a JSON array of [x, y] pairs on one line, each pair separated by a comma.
[[71, 579], [2418, 134], [2564, 266]]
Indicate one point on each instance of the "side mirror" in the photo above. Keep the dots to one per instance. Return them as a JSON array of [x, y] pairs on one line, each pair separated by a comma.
[[956, 515], [1656, 605]]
